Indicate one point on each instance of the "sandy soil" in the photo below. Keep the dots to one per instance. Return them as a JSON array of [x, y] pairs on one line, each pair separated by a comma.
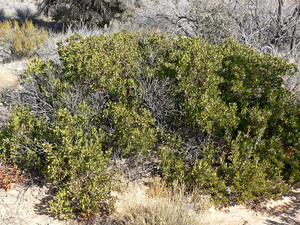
[[27, 206], [10, 72], [7, 78], [284, 211]]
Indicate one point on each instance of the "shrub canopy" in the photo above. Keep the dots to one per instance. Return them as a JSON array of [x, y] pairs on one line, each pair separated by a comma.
[[217, 116]]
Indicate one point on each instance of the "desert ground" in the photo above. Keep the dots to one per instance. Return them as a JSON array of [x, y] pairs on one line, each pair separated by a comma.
[[27, 206]]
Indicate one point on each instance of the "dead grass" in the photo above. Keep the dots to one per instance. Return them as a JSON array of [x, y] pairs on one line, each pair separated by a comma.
[[158, 204]]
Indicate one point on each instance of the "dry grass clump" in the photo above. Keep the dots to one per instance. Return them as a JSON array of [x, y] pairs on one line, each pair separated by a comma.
[[159, 204], [23, 40]]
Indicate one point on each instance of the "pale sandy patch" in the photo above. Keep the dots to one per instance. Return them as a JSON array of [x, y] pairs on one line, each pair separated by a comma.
[[27, 206], [7, 78], [285, 211]]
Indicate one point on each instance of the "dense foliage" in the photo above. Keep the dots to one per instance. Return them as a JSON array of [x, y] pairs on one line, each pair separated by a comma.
[[217, 117]]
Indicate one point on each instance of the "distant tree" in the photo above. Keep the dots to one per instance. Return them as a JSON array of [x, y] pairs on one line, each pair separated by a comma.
[[95, 12]]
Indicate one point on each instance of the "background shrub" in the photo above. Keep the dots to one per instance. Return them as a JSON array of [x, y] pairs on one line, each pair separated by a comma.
[[97, 12]]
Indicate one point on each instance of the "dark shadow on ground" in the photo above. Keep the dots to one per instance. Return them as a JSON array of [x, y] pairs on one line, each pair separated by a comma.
[[287, 213], [42, 209]]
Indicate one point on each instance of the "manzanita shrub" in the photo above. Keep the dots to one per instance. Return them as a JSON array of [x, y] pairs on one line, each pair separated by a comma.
[[77, 165], [226, 126], [69, 156]]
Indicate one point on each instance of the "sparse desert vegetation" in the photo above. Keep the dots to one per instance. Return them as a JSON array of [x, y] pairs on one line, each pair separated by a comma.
[[196, 100]]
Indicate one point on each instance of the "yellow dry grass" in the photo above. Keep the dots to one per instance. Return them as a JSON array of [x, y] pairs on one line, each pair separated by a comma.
[[157, 204]]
